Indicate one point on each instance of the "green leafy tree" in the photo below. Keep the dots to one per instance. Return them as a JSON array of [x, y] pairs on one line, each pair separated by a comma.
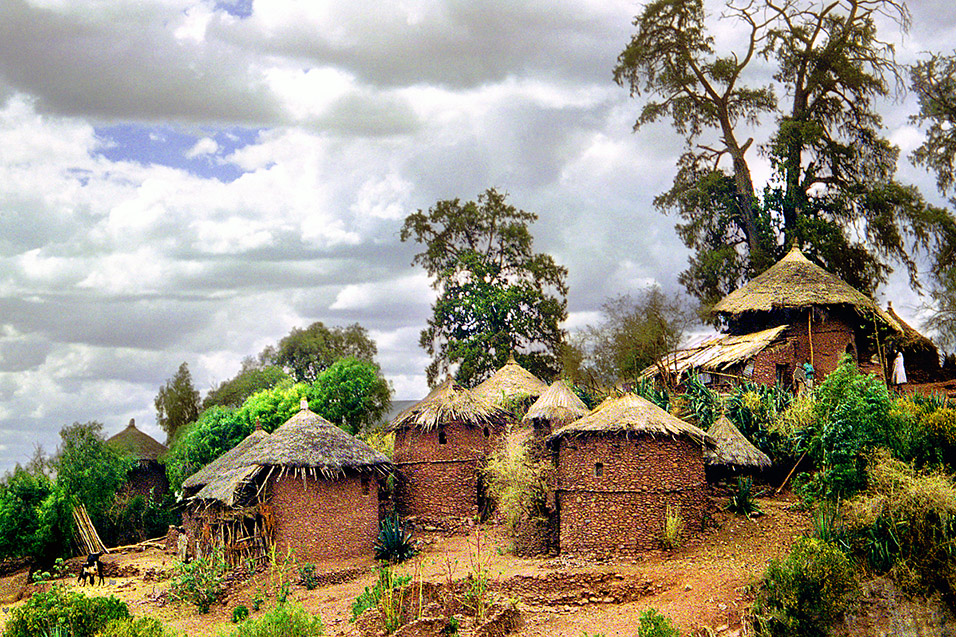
[[351, 394], [252, 377], [22, 493], [304, 353], [833, 188], [496, 295], [177, 403], [89, 472]]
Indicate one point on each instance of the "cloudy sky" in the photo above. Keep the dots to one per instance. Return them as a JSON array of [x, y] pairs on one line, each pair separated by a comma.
[[186, 181]]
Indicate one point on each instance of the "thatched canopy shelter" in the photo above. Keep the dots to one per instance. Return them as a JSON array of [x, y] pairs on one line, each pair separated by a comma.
[[796, 282], [733, 448], [510, 383], [630, 415], [224, 464], [449, 403], [558, 406], [133, 442]]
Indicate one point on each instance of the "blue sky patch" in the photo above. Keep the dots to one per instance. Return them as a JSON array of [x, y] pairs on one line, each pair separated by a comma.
[[238, 8], [173, 147]]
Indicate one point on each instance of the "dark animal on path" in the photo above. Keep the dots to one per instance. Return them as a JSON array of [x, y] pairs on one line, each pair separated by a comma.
[[91, 570]]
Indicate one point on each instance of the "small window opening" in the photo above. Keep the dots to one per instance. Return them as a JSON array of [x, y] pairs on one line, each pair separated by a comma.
[[486, 432], [365, 485], [442, 438], [598, 469]]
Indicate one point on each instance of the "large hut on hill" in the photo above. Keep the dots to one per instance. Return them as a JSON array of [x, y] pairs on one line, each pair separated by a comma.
[[732, 451], [792, 314], [147, 477], [556, 407], [309, 487], [440, 443], [511, 386], [620, 469]]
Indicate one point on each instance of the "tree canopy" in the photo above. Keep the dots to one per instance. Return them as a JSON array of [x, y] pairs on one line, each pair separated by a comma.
[[833, 187], [253, 376], [177, 403], [496, 295], [305, 353]]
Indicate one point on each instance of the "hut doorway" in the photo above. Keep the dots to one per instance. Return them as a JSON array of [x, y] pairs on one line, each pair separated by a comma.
[[486, 506]]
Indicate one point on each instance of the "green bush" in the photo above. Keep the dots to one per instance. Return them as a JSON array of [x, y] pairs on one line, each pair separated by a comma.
[[394, 542], [653, 624], [932, 438], [515, 482], [805, 593], [239, 613], [742, 498], [755, 410], [387, 582], [199, 582], [63, 611], [307, 576], [285, 620], [139, 627]]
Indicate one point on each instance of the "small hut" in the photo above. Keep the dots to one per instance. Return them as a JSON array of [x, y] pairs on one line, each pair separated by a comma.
[[556, 407], [620, 469], [223, 464], [147, 477], [733, 450], [309, 487], [511, 386], [440, 443]]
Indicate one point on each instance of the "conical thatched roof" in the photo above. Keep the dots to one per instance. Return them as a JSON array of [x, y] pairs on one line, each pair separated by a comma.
[[135, 443], [448, 403], [909, 336], [733, 448], [558, 405], [511, 382], [232, 459], [796, 282], [309, 441], [631, 414]]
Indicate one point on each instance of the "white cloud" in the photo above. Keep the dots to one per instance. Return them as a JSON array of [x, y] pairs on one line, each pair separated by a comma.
[[205, 146]]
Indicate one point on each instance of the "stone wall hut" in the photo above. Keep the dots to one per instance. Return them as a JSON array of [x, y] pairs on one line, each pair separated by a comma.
[[921, 358], [313, 487], [556, 407], [619, 470], [733, 453], [147, 477], [511, 387], [440, 443]]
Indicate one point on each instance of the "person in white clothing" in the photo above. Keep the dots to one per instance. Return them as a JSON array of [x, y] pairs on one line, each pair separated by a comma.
[[899, 370]]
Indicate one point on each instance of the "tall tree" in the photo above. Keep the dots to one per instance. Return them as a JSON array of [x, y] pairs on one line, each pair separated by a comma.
[[496, 295], [351, 394], [833, 188], [89, 472], [304, 353], [253, 376], [177, 402]]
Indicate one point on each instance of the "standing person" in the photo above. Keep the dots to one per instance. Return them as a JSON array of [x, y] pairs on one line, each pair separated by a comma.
[[899, 370]]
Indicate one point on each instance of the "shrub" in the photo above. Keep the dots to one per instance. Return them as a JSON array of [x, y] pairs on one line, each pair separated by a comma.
[[387, 582], [239, 613], [307, 576], [672, 533], [285, 620], [653, 624], [755, 410], [742, 498], [516, 483], [199, 582], [139, 627], [805, 593], [394, 542], [933, 439], [701, 404], [66, 611]]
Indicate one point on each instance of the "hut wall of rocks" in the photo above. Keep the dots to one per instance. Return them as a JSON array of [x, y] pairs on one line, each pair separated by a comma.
[[321, 519], [148, 478], [614, 490]]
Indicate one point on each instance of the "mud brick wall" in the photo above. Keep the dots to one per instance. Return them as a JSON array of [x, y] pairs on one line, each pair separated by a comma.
[[622, 510], [440, 480], [323, 519], [145, 478], [831, 335]]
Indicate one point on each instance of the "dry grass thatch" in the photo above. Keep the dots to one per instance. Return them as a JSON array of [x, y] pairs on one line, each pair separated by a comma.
[[558, 405], [909, 338], [133, 442], [511, 382], [631, 414], [225, 463], [733, 448], [796, 282], [450, 403]]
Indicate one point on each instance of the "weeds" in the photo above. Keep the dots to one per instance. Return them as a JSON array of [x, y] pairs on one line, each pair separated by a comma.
[[652, 624], [516, 483], [199, 582], [372, 595], [285, 620], [672, 535], [65, 612], [742, 500], [307, 576], [476, 594]]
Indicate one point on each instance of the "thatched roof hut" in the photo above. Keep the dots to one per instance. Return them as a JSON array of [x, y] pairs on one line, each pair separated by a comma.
[[558, 406], [447, 403], [796, 282], [226, 463], [733, 448], [510, 383], [133, 442], [630, 415]]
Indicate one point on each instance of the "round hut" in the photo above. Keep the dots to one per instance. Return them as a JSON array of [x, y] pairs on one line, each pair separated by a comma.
[[440, 443], [556, 407], [733, 452], [225, 463], [511, 386], [147, 477], [620, 469]]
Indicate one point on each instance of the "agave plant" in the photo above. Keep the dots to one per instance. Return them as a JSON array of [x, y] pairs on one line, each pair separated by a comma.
[[394, 543], [742, 499]]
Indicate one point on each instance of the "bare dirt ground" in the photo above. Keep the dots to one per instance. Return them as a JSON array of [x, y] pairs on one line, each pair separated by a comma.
[[704, 584]]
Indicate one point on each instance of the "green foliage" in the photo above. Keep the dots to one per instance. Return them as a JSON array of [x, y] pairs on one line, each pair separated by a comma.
[[496, 296], [177, 403], [22, 492], [284, 620], [931, 435], [88, 470], [755, 410], [352, 394], [305, 353], [701, 405], [199, 582], [515, 482], [805, 593], [140, 517], [645, 388], [387, 583], [240, 613], [252, 377], [651, 623], [139, 627], [672, 535], [394, 542], [307, 576], [64, 610], [742, 500]]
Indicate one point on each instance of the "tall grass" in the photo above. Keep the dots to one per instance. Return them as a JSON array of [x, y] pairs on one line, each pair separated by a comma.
[[516, 483]]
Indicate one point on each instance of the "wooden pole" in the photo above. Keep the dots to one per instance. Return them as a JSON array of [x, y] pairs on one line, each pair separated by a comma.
[[789, 475], [810, 336]]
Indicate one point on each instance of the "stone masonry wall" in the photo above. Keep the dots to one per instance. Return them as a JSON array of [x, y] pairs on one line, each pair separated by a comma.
[[147, 477], [325, 519], [620, 506], [831, 335]]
